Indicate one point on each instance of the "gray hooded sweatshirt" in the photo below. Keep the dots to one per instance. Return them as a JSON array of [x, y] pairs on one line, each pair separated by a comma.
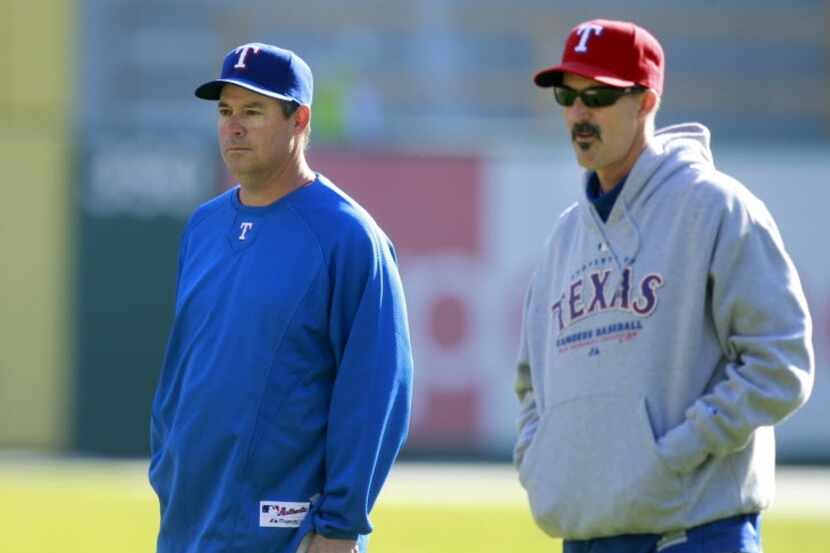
[[658, 350]]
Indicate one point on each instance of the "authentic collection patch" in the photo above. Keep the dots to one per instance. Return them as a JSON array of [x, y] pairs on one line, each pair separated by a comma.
[[282, 514]]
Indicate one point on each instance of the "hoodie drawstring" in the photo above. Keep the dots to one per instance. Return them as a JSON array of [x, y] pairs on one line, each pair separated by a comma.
[[639, 237], [600, 227], [621, 263]]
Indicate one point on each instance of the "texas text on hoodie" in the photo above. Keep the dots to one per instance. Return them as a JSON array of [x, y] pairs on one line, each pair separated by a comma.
[[286, 388], [658, 349]]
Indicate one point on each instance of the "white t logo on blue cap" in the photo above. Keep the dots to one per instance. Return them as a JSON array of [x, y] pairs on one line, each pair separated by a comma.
[[274, 72], [243, 51]]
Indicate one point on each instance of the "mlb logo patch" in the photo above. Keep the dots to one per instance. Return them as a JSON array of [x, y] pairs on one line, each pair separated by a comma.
[[282, 514]]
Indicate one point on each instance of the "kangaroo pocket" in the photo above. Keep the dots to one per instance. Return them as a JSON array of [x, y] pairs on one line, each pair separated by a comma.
[[593, 470]]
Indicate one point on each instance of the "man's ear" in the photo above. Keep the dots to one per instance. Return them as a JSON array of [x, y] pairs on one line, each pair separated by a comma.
[[302, 118], [649, 102]]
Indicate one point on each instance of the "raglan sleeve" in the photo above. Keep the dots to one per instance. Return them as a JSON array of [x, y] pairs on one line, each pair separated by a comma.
[[156, 434], [372, 394], [528, 419], [761, 317], [183, 244]]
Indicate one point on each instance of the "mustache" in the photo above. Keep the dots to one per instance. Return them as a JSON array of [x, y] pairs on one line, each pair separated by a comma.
[[585, 128]]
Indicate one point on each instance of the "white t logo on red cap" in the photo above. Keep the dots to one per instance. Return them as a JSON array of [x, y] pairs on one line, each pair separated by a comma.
[[243, 51], [584, 31]]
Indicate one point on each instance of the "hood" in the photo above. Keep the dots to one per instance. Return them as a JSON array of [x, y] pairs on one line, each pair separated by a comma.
[[670, 150]]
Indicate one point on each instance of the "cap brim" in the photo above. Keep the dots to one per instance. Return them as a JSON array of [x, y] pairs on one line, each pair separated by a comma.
[[213, 90], [553, 76]]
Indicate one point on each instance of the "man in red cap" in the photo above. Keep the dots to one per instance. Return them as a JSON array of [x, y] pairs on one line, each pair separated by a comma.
[[665, 330]]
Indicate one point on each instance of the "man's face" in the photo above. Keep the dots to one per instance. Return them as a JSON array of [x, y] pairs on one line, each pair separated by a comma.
[[602, 137], [255, 138]]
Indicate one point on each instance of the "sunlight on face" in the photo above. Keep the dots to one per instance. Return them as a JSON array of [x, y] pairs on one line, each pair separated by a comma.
[[255, 138], [603, 137]]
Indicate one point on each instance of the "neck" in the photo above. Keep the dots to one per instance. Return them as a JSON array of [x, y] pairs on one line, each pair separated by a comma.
[[612, 174], [260, 190]]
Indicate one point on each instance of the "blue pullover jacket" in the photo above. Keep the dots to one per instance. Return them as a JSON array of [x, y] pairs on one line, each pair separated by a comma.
[[285, 393]]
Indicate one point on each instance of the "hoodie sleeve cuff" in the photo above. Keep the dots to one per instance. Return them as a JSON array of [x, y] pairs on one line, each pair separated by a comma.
[[682, 449]]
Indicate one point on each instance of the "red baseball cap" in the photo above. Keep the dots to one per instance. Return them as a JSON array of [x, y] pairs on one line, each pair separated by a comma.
[[617, 53]]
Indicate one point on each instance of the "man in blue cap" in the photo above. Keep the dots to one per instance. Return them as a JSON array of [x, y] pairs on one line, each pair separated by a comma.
[[285, 393]]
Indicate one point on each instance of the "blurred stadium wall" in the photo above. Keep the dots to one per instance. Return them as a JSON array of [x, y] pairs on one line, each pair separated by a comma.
[[36, 64], [425, 112]]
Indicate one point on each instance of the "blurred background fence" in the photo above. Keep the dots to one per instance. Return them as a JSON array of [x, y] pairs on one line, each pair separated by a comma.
[[425, 112]]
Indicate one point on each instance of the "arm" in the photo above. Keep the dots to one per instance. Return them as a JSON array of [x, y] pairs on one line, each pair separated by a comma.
[[371, 397], [764, 327], [528, 414], [320, 544], [156, 433]]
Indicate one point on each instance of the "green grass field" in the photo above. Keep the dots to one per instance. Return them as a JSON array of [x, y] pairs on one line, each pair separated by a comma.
[[105, 507]]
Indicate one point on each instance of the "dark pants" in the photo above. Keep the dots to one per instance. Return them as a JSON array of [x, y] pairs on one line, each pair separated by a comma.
[[738, 534]]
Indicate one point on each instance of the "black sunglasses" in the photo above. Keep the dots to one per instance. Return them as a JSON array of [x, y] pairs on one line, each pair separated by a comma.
[[593, 97]]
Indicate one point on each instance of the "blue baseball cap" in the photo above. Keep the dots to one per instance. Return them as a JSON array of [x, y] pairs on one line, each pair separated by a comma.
[[264, 69]]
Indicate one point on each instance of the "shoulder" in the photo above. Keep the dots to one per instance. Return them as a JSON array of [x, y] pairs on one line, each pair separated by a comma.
[[569, 214], [212, 207], [336, 219], [209, 209], [563, 232], [725, 197], [566, 223]]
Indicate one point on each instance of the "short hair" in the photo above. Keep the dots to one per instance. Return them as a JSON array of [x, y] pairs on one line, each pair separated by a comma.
[[289, 108]]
